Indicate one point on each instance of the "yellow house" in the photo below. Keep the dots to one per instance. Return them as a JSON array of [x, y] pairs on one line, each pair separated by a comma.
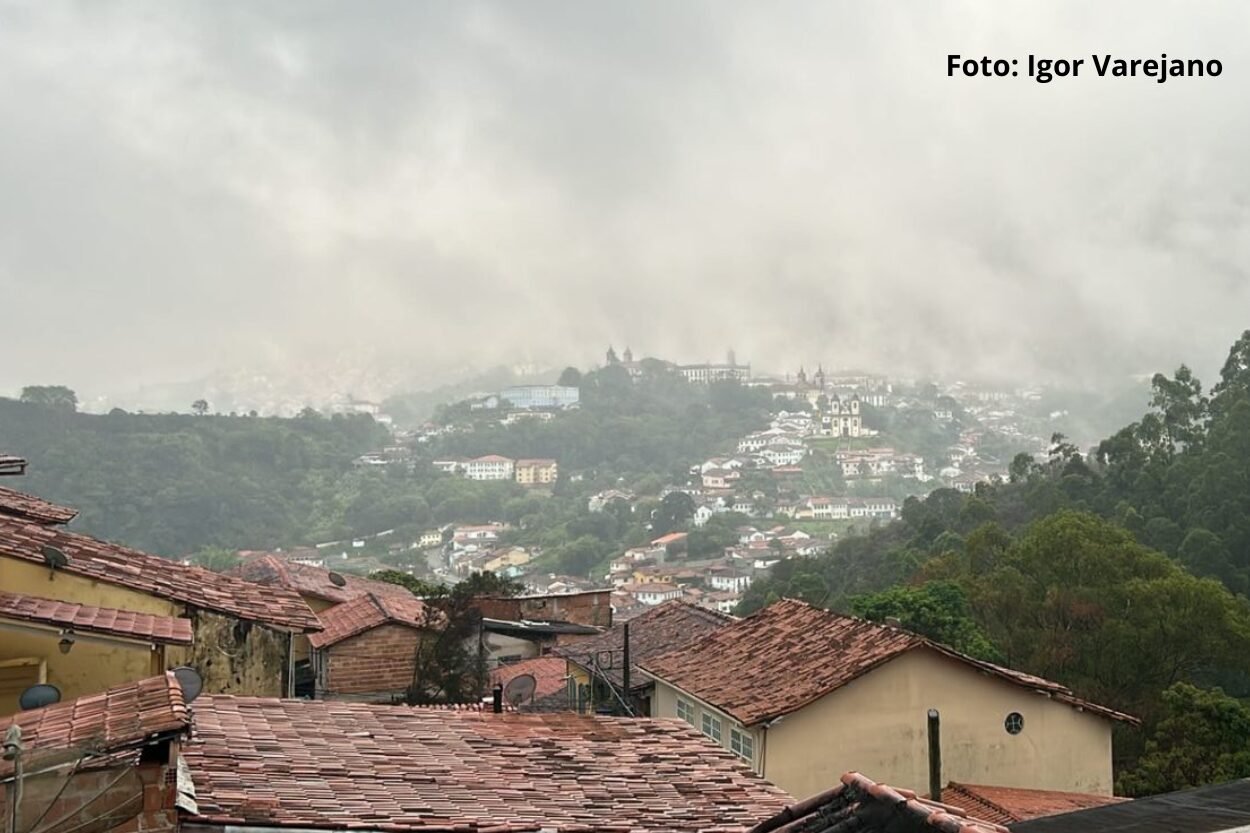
[[804, 695], [536, 472], [241, 633], [506, 558]]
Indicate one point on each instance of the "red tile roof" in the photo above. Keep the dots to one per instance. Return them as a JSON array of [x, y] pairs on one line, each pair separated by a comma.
[[167, 629], [1007, 805], [366, 612], [123, 718], [666, 627], [31, 508], [311, 581], [669, 538], [320, 763], [193, 586], [789, 654], [550, 673], [864, 806]]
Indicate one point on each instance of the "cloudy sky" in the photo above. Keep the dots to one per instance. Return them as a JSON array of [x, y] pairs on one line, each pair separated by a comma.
[[189, 187]]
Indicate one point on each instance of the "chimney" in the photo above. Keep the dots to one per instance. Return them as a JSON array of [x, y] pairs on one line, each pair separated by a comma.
[[935, 755], [497, 699]]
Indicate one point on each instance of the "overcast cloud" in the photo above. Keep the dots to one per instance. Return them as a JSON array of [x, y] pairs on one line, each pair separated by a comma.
[[195, 186]]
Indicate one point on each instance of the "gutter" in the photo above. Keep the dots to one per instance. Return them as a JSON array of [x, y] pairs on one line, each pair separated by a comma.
[[80, 636]]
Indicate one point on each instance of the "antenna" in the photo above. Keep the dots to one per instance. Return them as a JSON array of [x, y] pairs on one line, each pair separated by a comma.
[[54, 558], [520, 688], [190, 681], [337, 580], [38, 696]]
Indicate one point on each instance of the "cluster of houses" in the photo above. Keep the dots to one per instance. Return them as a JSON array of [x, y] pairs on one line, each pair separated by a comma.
[[141, 694]]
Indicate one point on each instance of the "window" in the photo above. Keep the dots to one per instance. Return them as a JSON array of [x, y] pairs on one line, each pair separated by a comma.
[[711, 727], [685, 711], [742, 745], [1014, 724]]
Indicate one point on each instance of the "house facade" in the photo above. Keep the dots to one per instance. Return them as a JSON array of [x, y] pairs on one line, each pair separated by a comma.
[[490, 467], [536, 472], [802, 695]]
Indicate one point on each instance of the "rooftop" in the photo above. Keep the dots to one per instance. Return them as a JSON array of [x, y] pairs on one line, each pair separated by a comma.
[[789, 654], [327, 764], [366, 612], [31, 508], [859, 804], [12, 464], [663, 628], [194, 586], [1008, 805], [117, 720], [1215, 807], [104, 620], [307, 580]]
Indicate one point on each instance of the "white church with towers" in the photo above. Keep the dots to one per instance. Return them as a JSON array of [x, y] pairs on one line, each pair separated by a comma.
[[838, 417]]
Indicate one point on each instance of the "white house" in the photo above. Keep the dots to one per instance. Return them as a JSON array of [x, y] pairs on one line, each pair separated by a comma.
[[490, 467], [654, 594]]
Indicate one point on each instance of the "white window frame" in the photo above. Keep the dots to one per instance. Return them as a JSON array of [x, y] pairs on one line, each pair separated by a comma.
[[742, 744], [711, 726], [685, 711]]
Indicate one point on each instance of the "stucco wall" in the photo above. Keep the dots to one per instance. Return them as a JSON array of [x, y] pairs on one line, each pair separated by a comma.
[[87, 668], [877, 725], [235, 656], [664, 704], [36, 580]]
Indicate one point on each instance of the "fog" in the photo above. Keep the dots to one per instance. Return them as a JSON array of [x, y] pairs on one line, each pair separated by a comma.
[[411, 189]]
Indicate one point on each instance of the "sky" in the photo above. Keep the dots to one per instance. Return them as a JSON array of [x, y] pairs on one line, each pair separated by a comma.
[[422, 187]]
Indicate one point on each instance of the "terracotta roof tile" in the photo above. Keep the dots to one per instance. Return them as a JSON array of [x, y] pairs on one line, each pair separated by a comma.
[[1007, 805], [311, 581], [89, 619], [161, 577], [318, 763], [864, 806], [31, 508], [366, 612], [122, 718], [666, 627], [791, 653]]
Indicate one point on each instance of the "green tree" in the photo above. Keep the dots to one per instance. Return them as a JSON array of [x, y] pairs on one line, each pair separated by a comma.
[[217, 559], [50, 396], [200, 407], [1202, 737], [938, 610], [570, 377]]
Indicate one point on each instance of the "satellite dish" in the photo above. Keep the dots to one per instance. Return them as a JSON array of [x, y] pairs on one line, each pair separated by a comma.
[[54, 558], [190, 681], [38, 696], [337, 580], [520, 688]]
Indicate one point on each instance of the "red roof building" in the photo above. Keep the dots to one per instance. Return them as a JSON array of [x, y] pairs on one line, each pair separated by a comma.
[[1008, 805], [72, 618], [27, 507], [793, 677], [314, 583], [367, 651], [333, 765]]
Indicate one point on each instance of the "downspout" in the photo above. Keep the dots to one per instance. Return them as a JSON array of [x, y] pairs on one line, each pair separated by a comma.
[[935, 755], [629, 701], [290, 664]]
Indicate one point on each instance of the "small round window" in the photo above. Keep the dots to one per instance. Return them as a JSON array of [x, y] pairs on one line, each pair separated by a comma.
[[1014, 724]]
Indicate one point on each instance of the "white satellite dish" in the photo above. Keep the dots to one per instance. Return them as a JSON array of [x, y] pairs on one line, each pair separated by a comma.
[[519, 689]]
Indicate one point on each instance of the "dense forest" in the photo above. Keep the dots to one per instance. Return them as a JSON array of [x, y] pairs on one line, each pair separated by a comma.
[[1122, 573]]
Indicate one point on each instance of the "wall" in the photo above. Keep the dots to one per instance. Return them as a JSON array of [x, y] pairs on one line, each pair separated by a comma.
[[664, 704], [877, 725], [139, 799], [87, 668], [18, 576], [375, 665], [591, 608], [235, 656]]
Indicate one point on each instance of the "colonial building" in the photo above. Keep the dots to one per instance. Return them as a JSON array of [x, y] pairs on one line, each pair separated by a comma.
[[537, 472]]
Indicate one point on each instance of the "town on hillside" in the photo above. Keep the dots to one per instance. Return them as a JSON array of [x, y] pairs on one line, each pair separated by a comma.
[[624, 417]]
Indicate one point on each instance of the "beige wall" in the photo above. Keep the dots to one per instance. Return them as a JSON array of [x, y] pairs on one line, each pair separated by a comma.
[[32, 579], [877, 725], [664, 704], [87, 668]]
